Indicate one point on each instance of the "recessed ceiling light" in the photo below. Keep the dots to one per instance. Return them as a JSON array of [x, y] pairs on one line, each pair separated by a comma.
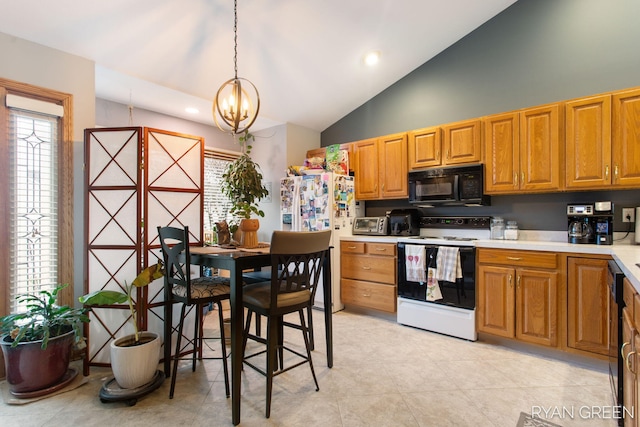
[[372, 58], [191, 110]]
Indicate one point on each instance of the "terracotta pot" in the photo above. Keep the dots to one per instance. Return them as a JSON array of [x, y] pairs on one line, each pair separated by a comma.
[[249, 229], [135, 365], [30, 368]]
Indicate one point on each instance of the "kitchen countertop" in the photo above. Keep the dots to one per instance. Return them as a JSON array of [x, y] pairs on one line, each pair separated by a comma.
[[623, 251]]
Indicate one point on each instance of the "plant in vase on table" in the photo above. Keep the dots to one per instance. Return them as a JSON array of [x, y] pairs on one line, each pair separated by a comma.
[[134, 358], [38, 342], [242, 184]]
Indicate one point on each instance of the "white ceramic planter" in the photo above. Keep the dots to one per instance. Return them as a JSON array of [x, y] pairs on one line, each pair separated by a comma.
[[135, 366]]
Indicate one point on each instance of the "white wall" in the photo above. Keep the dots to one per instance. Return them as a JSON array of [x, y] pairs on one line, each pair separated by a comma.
[[274, 150]]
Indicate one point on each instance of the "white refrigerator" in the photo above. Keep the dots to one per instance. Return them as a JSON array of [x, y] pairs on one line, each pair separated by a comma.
[[323, 201]]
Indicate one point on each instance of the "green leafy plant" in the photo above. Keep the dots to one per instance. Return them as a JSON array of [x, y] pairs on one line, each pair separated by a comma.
[[107, 297], [242, 182], [43, 319]]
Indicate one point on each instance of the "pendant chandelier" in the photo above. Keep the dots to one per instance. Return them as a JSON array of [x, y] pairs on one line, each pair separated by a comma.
[[237, 102]]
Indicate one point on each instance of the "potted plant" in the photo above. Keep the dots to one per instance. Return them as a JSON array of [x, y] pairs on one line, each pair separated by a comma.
[[134, 358], [242, 184], [37, 343]]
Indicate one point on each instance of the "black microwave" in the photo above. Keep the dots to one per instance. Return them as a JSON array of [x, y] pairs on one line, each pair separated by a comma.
[[448, 186]]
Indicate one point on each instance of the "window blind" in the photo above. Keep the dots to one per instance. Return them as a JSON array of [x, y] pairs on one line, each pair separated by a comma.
[[216, 205], [33, 139]]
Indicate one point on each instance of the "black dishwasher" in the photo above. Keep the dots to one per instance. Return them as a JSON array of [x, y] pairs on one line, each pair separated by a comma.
[[616, 363]]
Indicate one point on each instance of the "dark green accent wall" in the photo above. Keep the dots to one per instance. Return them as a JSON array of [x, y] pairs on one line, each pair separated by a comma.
[[535, 52]]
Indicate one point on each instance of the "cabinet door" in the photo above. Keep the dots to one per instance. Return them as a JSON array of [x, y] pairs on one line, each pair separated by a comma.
[[536, 306], [588, 142], [366, 169], [629, 379], [588, 305], [495, 308], [461, 143], [502, 153], [541, 148], [392, 161], [424, 147], [626, 138]]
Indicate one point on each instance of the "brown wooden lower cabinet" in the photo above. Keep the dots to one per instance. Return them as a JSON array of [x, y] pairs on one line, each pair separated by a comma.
[[515, 298], [587, 305], [629, 352], [368, 272]]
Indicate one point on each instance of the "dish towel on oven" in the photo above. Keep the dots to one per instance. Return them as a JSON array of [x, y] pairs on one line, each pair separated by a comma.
[[448, 266], [415, 263]]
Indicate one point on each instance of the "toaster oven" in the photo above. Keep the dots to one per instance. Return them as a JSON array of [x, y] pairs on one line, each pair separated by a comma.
[[371, 226]]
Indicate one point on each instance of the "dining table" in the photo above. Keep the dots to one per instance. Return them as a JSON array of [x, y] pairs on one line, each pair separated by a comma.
[[236, 261]]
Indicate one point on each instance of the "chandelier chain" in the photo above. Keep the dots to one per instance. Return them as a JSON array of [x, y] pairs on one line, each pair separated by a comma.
[[235, 38]]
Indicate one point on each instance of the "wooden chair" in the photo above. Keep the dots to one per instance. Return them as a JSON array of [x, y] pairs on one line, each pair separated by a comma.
[[292, 287], [197, 292]]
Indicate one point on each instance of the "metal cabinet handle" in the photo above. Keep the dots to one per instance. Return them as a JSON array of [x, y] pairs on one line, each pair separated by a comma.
[[519, 279], [622, 348], [515, 179], [351, 247], [606, 171], [364, 267], [381, 249], [626, 358], [513, 258], [627, 362], [522, 177], [510, 281], [615, 171]]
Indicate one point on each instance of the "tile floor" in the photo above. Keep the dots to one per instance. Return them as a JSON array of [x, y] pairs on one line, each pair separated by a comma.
[[384, 374]]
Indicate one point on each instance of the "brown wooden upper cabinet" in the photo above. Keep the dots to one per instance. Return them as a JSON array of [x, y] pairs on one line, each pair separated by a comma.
[[462, 142], [626, 138], [451, 144], [523, 150], [425, 147], [381, 167], [603, 141]]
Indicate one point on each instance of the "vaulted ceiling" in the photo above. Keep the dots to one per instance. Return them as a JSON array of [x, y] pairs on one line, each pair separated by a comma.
[[305, 57]]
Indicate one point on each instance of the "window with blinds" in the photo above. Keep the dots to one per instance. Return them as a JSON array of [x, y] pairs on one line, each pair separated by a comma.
[[216, 205], [33, 245]]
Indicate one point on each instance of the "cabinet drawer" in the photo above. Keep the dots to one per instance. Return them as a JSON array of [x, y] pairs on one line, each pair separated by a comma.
[[518, 258], [352, 247], [371, 295], [384, 249], [365, 267]]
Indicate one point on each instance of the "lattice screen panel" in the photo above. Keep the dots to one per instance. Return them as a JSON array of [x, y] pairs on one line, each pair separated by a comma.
[[124, 208]]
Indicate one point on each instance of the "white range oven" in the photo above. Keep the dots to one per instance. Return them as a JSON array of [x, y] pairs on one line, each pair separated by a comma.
[[437, 275]]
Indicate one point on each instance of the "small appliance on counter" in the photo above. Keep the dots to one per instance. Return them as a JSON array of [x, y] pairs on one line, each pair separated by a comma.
[[590, 223], [404, 222], [371, 226]]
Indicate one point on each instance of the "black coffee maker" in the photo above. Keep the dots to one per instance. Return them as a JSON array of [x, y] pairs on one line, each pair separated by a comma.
[[590, 223]]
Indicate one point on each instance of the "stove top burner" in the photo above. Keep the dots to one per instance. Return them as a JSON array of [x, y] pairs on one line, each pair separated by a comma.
[[458, 238], [445, 238]]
